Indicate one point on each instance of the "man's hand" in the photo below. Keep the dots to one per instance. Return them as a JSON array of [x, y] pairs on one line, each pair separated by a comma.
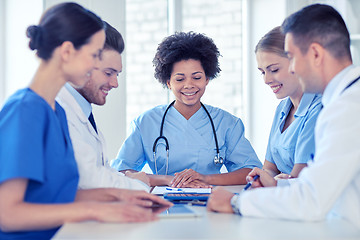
[[219, 201], [264, 180]]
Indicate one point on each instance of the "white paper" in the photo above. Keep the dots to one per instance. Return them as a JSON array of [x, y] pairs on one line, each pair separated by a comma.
[[160, 190]]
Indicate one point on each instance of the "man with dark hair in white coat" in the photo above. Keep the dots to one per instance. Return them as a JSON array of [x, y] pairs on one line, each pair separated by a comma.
[[88, 141], [317, 43]]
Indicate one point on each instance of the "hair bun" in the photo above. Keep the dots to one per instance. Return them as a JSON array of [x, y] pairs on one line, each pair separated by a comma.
[[34, 32]]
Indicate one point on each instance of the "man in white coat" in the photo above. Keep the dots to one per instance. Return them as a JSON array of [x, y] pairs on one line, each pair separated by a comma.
[[88, 141], [317, 43]]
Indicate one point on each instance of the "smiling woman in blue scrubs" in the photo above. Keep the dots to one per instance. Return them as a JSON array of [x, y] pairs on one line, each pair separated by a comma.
[[291, 143], [200, 138], [38, 172]]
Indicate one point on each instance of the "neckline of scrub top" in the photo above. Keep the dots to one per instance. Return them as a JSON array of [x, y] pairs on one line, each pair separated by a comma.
[[305, 103], [57, 105], [58, 111], [182, 119]]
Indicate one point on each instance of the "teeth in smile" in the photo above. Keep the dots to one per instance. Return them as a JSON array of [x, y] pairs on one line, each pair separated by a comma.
[[189, 94], [105, 91], [276, 87]]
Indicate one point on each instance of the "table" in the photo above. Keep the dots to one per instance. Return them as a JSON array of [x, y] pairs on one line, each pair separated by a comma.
[[212, 226]]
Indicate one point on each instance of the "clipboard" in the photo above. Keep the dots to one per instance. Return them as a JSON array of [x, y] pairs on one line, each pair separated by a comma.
[[161, 190], [177, 196]]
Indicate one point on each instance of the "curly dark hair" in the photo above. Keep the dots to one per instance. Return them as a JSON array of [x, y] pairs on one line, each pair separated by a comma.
[[183, 46]]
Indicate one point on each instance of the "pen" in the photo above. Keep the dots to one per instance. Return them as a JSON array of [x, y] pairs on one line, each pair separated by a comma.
[[248, 185]]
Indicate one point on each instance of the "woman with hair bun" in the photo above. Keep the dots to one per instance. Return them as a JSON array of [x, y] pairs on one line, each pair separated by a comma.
[[200, 138], [38, 172]]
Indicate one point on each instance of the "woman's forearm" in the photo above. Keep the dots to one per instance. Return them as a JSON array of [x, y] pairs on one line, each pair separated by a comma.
[[237, 177]]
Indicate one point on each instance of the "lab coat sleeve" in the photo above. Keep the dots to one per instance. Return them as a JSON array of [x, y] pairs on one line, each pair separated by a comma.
[[330, 181], [240, 153], [285, 182], [131, 154], [92, 173]]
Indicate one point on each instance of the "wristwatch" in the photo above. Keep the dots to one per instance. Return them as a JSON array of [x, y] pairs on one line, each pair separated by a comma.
[[235, 204]]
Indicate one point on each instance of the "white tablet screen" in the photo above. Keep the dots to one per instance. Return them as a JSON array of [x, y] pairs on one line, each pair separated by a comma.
[[179, 210]]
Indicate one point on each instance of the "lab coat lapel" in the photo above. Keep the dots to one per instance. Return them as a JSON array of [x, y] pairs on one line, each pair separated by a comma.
[[66, 99], [75, 114]]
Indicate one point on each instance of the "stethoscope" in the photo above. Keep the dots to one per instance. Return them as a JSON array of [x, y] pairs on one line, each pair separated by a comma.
[[217, 158]]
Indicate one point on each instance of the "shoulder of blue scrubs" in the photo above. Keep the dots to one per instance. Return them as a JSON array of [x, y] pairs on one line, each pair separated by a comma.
[[216, 112], [308, 102], [151, 114], [242, 155]]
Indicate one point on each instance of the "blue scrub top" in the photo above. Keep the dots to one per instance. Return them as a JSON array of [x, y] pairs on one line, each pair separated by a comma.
[[35, 144], [191, 142], [296, 144]]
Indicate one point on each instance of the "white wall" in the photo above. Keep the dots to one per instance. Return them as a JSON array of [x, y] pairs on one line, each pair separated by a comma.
[[19, 62], [2, 52], [263, 15]]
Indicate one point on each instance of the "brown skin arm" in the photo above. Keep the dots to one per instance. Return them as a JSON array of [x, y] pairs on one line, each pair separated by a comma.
[[154, 180], [184, 178], [160, 180]]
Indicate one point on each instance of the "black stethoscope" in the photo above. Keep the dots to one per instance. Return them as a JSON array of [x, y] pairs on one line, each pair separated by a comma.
[[217, 158]]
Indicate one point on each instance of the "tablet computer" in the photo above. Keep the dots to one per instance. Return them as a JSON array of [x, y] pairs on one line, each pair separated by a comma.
[[178, 210], [186, 196]]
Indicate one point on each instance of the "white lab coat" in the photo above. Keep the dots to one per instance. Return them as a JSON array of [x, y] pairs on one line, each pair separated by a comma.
[[90, 150], [330, 186]]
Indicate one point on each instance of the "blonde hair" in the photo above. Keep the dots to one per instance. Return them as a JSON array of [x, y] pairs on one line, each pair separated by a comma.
[[273, 42]]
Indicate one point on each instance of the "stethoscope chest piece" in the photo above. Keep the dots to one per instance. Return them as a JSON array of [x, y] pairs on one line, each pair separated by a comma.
[[218, 159]]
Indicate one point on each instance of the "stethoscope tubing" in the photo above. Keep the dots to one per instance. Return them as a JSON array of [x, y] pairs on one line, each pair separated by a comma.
[[217, 158], [213, 128], [161, 129]]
